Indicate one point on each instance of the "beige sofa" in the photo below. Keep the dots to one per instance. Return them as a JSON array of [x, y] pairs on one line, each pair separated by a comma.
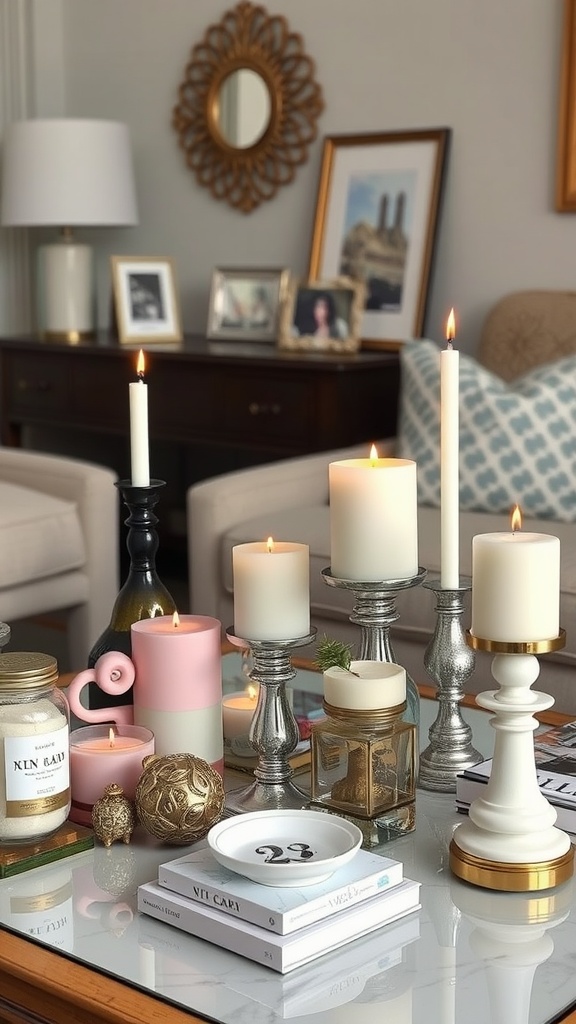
[[289, 500], [59, 544]]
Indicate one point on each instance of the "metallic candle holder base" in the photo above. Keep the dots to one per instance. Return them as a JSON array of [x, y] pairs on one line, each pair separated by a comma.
[[274, 731], [449, 660], [375, 611], [510, 842]]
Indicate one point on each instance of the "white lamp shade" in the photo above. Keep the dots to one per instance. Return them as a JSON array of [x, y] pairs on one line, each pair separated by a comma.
[[68, 172]]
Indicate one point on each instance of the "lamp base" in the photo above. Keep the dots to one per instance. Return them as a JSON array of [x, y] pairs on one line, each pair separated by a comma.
[[67, 294]]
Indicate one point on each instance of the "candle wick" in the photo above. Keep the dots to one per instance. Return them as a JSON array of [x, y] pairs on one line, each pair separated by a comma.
[[449, 344]]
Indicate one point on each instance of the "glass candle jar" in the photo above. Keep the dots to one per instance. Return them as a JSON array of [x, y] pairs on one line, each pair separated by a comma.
[[34, 749], [363, 759]]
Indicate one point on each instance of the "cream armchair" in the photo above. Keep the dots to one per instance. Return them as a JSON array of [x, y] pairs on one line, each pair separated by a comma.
[[59, 543]]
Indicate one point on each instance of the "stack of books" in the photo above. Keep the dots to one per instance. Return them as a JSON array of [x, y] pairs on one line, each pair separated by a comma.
[[280, 927], [555, 758]]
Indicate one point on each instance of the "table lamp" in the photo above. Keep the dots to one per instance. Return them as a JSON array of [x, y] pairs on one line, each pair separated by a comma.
[[65, 173]]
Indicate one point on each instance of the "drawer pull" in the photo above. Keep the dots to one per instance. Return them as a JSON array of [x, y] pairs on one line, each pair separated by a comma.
[[264, 409], [37, 385]]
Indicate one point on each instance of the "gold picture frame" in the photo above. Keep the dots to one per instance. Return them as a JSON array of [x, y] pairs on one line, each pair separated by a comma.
[[322, 316], [376, 221], [566, 142], [145, 300]]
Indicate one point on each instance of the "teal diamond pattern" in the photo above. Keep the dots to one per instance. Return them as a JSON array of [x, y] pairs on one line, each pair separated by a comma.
[[517, 440]]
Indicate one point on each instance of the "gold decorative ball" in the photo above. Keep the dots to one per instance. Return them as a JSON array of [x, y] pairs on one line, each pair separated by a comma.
[[178, 797]]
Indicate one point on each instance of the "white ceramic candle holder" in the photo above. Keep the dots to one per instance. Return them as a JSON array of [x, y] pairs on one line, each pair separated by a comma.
[[509, 841]]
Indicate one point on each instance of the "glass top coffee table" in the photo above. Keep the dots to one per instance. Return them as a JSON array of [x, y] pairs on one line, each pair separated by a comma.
[[73, 947]]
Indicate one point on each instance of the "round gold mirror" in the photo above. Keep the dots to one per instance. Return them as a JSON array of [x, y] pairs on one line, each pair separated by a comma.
[[242, 109], [247, 107]]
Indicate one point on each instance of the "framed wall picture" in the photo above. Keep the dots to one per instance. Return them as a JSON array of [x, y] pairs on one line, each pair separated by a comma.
[[566, 151], [376, 219], [245, 303], [322, 316], [145, 300]]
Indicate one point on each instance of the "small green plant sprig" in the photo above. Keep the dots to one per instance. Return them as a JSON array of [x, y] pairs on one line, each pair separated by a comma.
[[333, 654]]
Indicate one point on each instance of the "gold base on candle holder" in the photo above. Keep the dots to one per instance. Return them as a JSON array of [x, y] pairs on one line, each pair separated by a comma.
[[479, 643], [511, 877]]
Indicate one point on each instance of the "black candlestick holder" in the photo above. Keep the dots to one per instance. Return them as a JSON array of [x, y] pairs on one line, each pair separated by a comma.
[[143, 595]]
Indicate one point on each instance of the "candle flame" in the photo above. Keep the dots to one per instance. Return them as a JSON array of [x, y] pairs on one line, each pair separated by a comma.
[[373, 455], [175, 620], [516, 519], [251, 693], [451, 326], [110, 737], [270, 546], [141, 364]]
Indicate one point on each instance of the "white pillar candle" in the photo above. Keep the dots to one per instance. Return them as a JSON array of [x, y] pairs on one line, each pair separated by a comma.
[[515, 586], [138, 394], [375, 686], [271, 590], [373, 519], [237, 713], [449, 448]]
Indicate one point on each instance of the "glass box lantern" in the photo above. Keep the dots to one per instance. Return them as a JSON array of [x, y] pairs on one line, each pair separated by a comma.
[[363, 755]]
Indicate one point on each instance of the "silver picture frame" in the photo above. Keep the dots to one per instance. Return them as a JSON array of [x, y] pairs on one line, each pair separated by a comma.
[[245, 303]]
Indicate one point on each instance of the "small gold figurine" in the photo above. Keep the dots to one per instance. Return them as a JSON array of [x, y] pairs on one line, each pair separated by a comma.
[[178, 797], [113, 816]]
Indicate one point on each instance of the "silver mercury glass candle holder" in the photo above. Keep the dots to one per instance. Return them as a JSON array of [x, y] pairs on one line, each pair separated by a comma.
[[274, 730], [374, 611], [449, 660]]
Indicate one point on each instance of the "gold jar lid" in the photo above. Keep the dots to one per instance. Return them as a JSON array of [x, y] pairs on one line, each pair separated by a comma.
[[21, 670]]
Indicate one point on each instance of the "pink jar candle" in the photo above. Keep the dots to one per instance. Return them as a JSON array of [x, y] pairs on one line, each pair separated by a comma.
[[101, 754]]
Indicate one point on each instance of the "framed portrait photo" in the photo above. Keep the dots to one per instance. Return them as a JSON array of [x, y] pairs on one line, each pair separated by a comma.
[[376, 222], [245, 304], [145, 299], [322, 316]]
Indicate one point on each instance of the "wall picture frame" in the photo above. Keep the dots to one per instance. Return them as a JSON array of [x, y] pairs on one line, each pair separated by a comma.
[[322, 316], [377, 213], [145, 299], [245, 303], [565, 149]]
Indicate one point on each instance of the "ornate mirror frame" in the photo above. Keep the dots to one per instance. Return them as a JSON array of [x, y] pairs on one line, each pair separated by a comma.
[[247, 38]]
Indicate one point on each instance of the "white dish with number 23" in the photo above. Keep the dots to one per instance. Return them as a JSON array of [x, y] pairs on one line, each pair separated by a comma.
[[284, 847]]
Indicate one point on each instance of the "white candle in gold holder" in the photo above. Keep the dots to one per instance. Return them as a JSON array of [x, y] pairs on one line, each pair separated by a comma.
[[515, 585]]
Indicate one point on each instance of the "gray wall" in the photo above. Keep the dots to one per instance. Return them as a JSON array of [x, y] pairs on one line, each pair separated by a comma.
[[489, 69]]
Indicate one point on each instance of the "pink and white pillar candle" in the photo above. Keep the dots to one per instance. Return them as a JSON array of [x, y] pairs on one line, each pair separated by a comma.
[[178, 684]]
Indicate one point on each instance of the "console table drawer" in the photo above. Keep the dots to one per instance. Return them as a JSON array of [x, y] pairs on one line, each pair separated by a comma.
[[257, 407], [38, 384]]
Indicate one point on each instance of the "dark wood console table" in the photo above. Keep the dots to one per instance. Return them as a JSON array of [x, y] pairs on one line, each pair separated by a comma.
[[213, 405]]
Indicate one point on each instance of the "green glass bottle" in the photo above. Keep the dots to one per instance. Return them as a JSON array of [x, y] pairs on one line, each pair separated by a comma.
[[143, 595]]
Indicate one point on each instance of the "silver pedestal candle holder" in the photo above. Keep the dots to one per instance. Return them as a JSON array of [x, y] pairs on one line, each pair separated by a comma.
[[374, 611], [449, 660], [274, 730]]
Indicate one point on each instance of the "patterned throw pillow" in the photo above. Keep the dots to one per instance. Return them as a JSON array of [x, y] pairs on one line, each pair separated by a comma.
[[517, 440]]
